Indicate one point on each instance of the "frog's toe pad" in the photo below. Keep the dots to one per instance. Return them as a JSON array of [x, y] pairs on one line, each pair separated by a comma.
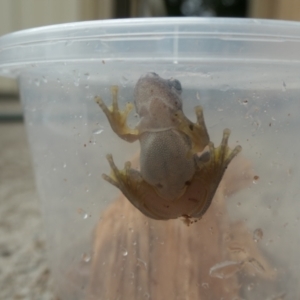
[[225, 153]]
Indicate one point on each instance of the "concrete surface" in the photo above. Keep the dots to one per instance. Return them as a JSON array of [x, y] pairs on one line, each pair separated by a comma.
[[24, 273]]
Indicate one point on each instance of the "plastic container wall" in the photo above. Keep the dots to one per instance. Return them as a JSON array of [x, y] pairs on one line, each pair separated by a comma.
[[244, 73]]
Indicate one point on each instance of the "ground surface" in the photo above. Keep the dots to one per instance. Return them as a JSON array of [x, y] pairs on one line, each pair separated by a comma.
[[24, 273]]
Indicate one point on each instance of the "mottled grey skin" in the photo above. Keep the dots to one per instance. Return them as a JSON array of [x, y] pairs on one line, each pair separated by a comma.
[[164, 161], [174, 179]]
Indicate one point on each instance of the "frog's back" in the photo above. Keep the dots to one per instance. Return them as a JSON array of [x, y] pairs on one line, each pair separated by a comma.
[[164, 162]]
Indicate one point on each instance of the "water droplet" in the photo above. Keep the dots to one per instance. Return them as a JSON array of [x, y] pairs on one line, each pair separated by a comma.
[[257, 234], [124, 81], [146, 296], [283, 86], [124, 252], [64, 165], [237, 249], [243, 102], [205, 285], [87, 86], [45, 79], [86, 258], [142, 263], [257, 266], [37, 82], [98, 131], [83, 213], [255, 179], [225, 269], [250, 287]]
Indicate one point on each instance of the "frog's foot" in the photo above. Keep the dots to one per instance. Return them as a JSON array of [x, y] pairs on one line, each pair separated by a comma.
[[117, 118], [132, 185], [223, 155], [117, 177], [219, 159], [210, 171], [197, 132]]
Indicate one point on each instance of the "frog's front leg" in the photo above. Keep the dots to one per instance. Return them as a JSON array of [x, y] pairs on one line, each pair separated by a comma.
[[133, 186], [210, 171], [117, 118], [197, 132]]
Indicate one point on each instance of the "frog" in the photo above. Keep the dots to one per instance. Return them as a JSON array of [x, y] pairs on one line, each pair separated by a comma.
[[180, 168]]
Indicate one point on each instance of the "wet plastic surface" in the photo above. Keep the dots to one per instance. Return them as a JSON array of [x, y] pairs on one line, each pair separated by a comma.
[[245, 75]]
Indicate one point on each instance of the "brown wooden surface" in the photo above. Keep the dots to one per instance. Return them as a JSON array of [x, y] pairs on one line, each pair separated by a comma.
[[135, 257]]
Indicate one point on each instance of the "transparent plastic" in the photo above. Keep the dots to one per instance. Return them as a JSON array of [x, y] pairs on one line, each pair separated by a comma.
[[245, 74]]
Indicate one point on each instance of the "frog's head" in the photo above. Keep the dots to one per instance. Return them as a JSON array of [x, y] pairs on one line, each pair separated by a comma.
[[153, 92]]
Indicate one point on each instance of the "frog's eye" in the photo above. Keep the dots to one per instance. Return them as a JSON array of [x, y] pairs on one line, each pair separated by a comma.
[[152, 74], [174, 83]]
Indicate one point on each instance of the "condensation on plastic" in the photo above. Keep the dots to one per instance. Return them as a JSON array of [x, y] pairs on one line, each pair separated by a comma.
[[245, 74]]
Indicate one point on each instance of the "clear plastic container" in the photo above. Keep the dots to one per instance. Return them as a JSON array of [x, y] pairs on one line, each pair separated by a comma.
[[245, 74]]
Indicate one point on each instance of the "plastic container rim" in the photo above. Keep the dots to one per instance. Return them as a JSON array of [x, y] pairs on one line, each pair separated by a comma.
[[14, 38], [12, 45]]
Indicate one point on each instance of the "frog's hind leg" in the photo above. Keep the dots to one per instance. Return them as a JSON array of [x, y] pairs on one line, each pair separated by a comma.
[[210, 172], [132, 185], [118, 118]]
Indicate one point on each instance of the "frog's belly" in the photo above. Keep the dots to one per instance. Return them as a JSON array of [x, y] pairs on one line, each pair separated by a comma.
[[164, 162]]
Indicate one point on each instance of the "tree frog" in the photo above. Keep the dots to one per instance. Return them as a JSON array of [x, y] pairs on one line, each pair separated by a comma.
[[180, 169]]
